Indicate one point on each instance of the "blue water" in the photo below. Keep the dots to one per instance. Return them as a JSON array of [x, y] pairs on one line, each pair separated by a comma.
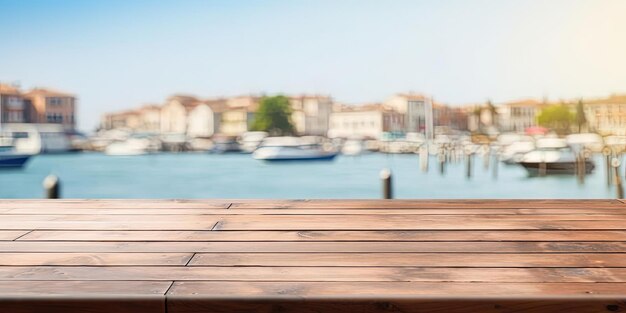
[[93, 175]]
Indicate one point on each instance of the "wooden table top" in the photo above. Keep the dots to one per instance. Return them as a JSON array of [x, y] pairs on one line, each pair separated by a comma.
[[312, 255]]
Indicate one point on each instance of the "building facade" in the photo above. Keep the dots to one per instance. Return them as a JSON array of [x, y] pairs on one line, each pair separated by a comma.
[[517, 116], [365, 121], [417, 110], [53, 107], [12, 105], [607, 116], [311, 114]]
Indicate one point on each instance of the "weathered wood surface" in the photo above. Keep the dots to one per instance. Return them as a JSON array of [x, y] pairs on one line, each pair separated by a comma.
[[312, 255]]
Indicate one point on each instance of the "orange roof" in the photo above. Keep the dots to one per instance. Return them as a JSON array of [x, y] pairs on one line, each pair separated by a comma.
[[46, 92], [9, 89], [412, 96], [612, 99], [525, 102]]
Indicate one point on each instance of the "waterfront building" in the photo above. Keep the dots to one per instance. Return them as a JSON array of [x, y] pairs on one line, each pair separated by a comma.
[[50, 106], [516, 116], [238, 115], [311, 114], [129, 119], [175, 112], [607, 116], [12, 105], [190, 116], [417, 111], [365, 121], [145, 119], [150, 118], [204, 120], [450, 118]]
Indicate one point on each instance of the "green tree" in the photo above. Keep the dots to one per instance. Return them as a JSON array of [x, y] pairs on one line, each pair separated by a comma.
[[557, 117], [274, 116], [581, 119]]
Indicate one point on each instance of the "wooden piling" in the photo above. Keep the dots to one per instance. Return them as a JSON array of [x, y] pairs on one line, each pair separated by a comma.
[[385, 176], [52, 187], [424, 158], [615, 163]]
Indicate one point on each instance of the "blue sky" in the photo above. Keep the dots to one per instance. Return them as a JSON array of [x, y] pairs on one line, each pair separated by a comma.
[[121, 54]]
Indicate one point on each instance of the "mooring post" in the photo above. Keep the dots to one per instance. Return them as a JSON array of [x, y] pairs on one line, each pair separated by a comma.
[[385, 176], [442, 160], [468, 158], [52, 187], [615, 163], [424, 158], [486, 156], [607, 160], [581, 168], [496, 163]]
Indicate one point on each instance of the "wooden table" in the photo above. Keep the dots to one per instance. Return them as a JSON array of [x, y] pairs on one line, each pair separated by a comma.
[[312, 256]]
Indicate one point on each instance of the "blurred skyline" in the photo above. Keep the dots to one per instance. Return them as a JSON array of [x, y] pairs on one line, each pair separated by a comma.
[[119, 54]]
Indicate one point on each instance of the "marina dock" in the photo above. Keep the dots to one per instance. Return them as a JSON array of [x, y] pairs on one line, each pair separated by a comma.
[[312, 256]]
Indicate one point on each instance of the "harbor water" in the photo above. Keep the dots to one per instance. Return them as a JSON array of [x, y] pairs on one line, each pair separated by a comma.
[[199, 175]]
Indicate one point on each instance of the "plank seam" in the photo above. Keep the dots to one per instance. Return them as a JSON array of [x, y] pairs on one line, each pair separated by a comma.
[[191, 258], [165, 296], [32, 230]]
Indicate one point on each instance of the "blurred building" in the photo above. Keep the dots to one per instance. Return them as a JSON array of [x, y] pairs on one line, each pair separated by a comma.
[[50, 106], [607, 116], [311, 114], [188, 115], [144, 119], [204, 120], [12, 105], [516, 116], [451, 118], [417, 111], [238, 114], [365, 121]]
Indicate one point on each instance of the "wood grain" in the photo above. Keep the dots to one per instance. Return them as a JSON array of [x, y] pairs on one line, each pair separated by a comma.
[[322, 235], [319, 256], [312, 247], [92, 259]]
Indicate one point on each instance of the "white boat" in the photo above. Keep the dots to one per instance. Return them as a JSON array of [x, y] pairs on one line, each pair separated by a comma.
[[353, 147], [553, 156], [129, 147], [249, 141], [37, 138], [589, 141], [292, 149], [514, 152]]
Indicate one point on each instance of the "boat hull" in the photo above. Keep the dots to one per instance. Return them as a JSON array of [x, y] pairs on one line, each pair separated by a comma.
[[13, 161], [328, 157], [568, 168]]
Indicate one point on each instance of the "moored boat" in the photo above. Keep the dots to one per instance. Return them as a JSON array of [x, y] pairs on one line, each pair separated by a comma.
[[553, 156], [292, 149], [10, 159]]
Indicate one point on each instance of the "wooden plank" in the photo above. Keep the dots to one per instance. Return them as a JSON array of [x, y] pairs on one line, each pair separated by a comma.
[[224, 289], [82, 288], [412, 222], [397, 236], [363, 274], [425, 204], [448, 304], [92, 259], [12, 234], [95, 304], [279, 211], [109, 222], [410, 259], [313, 247], [114, 203]]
